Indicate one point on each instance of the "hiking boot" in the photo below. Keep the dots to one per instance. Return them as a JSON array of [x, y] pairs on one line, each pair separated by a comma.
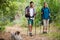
[[30, 34], [44, 32]]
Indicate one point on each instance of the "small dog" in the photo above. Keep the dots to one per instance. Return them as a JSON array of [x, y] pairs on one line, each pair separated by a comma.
[[16, 36]]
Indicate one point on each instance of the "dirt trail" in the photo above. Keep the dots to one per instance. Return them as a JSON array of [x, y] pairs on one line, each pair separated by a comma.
[[23, 31]]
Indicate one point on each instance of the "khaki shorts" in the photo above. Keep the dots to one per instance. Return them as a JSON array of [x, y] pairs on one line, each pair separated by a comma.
[[46, 22]]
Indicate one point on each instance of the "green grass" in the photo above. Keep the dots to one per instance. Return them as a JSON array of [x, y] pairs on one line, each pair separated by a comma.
[[55, 35]]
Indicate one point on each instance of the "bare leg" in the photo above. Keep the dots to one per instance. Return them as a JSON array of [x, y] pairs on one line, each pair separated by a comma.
[[30, 30]]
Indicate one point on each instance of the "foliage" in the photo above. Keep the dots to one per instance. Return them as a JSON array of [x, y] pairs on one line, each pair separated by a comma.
[[9, 8], [7, 11], [2, 28]]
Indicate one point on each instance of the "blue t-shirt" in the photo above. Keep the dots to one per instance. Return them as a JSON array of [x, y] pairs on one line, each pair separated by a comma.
[[45, 12]]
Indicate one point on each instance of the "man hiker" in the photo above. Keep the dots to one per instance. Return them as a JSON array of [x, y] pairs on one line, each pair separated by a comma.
[[45, 17], [30, 13]]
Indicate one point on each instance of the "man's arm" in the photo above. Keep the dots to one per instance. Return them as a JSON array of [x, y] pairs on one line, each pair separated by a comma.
[[35, 12], [42, 11], [49, 11]]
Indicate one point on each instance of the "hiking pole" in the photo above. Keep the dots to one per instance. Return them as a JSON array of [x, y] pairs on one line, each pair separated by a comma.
[[35, 27], [40, 22], [49, 27], [40, 26], [27, 28]]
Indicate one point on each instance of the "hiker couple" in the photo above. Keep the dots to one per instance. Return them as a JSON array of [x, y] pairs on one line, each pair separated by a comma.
[[30, 14]]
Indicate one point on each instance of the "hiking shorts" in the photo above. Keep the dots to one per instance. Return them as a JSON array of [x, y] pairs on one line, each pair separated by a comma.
[[30, 22], [46, 22]]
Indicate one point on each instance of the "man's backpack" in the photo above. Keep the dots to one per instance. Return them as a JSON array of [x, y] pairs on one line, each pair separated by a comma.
[[28, 14], [27, 10]]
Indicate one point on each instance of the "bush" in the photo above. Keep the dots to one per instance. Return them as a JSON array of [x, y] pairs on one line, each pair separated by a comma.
[[2, 28]]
